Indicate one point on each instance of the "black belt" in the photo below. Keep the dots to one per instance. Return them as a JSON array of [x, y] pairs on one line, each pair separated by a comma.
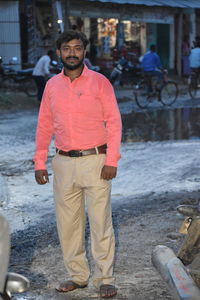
[[77, 153]]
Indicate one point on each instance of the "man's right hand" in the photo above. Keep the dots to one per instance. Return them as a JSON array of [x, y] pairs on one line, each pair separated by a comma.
[[41, 176]]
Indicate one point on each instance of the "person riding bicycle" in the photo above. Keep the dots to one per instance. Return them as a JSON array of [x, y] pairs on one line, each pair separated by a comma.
[[194, 57], [151, 66]]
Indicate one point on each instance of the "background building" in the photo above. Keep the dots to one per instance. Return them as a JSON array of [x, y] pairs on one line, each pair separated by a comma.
[[30, 27]]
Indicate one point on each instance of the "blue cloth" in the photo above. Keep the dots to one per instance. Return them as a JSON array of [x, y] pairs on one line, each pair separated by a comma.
[[151, 61], [195, 58]]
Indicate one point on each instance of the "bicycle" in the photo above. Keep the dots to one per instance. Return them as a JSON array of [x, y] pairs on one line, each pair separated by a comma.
[[181, 272], [167, 92], [194, 84]]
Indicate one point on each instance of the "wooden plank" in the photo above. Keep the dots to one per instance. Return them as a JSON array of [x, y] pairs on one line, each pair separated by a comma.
[[191, 245]]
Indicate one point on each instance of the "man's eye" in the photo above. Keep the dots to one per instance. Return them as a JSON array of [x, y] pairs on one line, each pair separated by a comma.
[[65, 48]]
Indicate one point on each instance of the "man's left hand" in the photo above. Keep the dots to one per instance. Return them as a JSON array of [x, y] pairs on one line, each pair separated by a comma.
[[108, 172]]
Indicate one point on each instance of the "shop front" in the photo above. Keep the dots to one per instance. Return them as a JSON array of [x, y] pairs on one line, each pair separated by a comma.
[[116, 29], [129, 30]]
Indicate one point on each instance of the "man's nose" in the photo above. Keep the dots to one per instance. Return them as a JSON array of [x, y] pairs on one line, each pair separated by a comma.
[[72, 52]]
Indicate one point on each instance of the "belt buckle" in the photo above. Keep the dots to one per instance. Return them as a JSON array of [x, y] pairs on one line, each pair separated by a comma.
[[75, 153]]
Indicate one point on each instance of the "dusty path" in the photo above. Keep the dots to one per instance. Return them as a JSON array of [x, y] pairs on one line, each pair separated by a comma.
[[139, 226], [140, 221]]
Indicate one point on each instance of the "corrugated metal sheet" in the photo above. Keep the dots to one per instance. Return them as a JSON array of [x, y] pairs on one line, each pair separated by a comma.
[[9, 11], [10, 30], [168, 3]]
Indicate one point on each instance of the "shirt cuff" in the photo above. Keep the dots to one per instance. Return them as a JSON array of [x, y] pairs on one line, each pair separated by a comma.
[[40, 165], [110, 161]]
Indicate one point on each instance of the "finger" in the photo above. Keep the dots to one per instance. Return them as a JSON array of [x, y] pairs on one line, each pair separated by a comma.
[[106, 176], [41, 179], [46, 177]]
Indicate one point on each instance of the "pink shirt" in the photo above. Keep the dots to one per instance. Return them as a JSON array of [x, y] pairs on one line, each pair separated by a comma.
[[81, 114]]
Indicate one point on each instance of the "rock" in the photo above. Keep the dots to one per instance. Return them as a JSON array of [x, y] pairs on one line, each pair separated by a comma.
[[174, 236]]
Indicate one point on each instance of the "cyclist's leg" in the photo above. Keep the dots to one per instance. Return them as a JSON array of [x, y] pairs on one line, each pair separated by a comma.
[[194, 76], [159, 78], [148, 78], [198, 76]]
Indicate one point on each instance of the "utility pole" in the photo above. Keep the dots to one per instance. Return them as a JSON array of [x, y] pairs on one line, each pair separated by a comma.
[[55, 24], [66, 13]]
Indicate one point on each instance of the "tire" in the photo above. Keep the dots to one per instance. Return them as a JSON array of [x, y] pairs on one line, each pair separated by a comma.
[[194, 89], [29, 87], [169, 93], [141, 95]]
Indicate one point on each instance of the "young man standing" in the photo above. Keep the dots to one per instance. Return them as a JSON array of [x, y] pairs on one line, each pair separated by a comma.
[[79, 108]]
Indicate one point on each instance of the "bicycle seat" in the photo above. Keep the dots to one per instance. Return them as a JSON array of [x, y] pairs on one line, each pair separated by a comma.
[[189, 210]]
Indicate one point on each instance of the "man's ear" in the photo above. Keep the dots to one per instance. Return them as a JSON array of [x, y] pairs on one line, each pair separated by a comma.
[[58, 52]]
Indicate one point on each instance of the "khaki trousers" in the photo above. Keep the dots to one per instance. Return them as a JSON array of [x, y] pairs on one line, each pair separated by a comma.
[[76, 181]]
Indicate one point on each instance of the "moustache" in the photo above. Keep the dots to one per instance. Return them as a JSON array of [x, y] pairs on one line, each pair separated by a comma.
[[73, 57]]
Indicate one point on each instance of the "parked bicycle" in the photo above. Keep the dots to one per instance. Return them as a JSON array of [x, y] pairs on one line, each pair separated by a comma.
[[148, 90], [194, 83], [181, 272]]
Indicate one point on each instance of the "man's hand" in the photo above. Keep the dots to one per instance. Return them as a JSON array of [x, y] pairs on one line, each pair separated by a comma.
[[41, 176], [108, 172]]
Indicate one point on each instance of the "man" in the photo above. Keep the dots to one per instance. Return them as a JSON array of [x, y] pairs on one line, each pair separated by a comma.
[[41, 72], [79, 108], [194, 57], [151, 65]]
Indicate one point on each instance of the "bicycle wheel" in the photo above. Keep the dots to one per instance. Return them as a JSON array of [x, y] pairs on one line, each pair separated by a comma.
[[194, 89], [142, 95], [169, 93], [29, 87]]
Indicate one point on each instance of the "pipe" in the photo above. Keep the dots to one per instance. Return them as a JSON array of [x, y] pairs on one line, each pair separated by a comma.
[[174, 273]]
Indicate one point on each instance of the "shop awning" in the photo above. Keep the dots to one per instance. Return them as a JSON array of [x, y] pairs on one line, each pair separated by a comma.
[[168, 3]]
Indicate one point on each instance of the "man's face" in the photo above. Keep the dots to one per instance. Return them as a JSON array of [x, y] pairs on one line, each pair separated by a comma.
[[72, 54]]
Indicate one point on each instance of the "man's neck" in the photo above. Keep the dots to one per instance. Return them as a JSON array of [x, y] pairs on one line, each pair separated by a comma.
[[73, 74]]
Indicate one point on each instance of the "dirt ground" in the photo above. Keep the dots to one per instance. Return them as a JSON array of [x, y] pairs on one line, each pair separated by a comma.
[[140, 224]]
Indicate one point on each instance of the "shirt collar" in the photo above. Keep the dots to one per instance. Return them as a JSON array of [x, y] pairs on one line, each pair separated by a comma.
[[84, 73]]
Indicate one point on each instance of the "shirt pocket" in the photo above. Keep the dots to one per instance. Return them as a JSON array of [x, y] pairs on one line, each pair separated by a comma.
[[90, 103]]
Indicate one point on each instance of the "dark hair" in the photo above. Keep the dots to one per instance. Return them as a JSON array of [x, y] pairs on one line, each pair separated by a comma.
[[197, 41], [50, 53], [69, 35], [153, 47], [197, 44]]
